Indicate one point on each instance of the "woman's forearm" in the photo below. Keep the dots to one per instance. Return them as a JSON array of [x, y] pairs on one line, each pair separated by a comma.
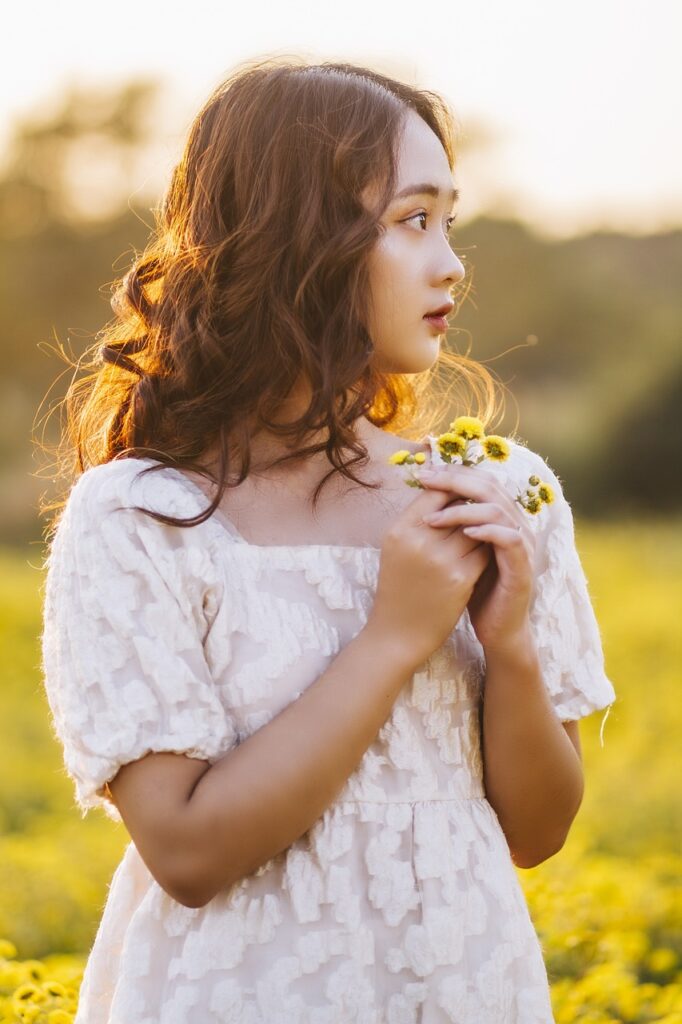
[[532, 773]]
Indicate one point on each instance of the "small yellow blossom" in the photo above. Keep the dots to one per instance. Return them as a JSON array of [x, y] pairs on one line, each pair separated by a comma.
[[661, 960], [8, 950], [469, 427], [450, 444], [420, 457], [533, 505], [28, 991], [496, 447], [35, 969], [59, 1017], [398, 458], [545, 493], [28, 1012], [55, 988]]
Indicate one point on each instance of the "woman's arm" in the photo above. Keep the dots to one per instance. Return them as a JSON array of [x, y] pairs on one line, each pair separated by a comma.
[[532, 768], [531, 764], [205, 827]]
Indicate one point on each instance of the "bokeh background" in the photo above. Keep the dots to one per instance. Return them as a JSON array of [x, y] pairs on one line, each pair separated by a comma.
[[570, 223]]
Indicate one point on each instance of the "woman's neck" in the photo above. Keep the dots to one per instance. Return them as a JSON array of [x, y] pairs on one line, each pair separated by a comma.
[[266, 448]]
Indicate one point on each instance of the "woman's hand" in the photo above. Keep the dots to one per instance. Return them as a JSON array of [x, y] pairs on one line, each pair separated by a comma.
[[500, 603], [426, 578]]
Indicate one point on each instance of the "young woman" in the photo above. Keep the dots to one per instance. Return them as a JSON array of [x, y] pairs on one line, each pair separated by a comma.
[[331, 727]]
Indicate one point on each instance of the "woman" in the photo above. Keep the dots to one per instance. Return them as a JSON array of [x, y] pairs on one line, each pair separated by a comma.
[[331, 727]]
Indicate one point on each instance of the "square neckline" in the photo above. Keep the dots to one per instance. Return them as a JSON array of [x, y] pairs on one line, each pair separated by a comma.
[[226, 524]]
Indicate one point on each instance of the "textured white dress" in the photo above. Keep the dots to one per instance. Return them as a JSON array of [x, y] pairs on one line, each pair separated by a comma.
[[401, 904]]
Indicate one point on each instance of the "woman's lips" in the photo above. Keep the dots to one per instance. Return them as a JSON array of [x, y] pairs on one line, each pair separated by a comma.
[[438, 322]]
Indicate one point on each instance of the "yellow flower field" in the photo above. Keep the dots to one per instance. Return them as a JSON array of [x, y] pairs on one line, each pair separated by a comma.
[[607, 908]]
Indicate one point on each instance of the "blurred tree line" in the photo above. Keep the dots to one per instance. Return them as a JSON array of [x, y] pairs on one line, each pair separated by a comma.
[[584, 332]]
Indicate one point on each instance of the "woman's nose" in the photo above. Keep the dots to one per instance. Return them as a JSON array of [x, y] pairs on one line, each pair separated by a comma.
[[460, 268], [455, 268]]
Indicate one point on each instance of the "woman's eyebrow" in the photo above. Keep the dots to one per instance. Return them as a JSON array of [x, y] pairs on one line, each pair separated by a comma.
[[426, 189]]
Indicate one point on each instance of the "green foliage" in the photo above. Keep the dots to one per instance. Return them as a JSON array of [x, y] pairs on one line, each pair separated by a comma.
[[607, 908]]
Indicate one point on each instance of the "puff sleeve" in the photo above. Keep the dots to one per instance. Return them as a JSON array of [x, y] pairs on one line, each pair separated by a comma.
[[562, 617], [126, 610]]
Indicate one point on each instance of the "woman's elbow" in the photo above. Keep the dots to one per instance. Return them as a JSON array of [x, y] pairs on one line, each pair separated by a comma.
[[532, 858], [186, 888], [188, 898]]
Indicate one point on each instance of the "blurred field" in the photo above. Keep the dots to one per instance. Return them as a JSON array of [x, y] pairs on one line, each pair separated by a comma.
[[608, 907]]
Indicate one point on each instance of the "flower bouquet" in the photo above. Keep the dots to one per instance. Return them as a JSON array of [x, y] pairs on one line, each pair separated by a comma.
[[466, 441]]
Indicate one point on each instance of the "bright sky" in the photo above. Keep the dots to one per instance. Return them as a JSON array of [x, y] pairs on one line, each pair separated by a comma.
[[583, 99]]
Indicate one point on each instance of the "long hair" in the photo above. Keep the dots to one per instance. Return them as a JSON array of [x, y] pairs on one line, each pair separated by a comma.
[[255, 277]]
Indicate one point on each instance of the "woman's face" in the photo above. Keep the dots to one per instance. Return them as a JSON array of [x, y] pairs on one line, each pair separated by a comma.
[[413, 267]]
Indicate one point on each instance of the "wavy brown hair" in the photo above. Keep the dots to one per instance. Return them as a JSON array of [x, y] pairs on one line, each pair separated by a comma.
[[256, 277]]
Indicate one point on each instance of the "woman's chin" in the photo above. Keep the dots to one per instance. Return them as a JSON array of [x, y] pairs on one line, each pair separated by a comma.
[[423, 358], [420, 359]]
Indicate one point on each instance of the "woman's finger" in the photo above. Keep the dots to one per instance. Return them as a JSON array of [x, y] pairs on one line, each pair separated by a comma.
[[474, 513], [508, 538], [478, 514], [467, 482]]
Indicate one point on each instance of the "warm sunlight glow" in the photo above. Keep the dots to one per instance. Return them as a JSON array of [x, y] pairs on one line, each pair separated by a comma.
[[578, 102]]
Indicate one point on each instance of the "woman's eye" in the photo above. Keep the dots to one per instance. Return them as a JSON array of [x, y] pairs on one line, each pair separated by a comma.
[[451, 220]]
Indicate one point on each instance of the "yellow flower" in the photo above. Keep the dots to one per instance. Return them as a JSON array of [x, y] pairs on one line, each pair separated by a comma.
[[545, 493], [398, 458], [35, 969], [28, 991], [28, 1012], [420, 457], [7, 949], [661, 960], [469, 427], [55, 988], [495, 447], [533, 505], [450, 444], [59, 1017]]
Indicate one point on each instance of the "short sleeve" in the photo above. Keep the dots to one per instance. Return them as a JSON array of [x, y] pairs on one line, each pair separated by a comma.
[[563, 621], [126, 610]]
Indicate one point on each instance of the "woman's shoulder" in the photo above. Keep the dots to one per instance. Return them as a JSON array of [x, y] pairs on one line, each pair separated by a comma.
[[522, 458], [126, 485], [105, 522], [524, 468], [107, 480]]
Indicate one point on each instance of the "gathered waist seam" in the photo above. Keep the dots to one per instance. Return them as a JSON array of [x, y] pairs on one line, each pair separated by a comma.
[[433, 800]]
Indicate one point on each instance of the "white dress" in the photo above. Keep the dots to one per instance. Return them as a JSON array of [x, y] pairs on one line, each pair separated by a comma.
[[401, 904]]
